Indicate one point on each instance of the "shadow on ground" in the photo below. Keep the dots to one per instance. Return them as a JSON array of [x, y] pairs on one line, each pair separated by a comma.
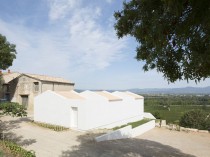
[[6, 133], [121, 148]]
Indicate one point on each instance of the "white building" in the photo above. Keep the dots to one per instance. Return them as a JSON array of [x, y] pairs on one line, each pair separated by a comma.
[[88, 110]]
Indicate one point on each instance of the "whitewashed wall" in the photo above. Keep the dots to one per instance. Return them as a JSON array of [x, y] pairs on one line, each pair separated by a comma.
[[102, 113], [94, 111], [52, 108], [127, 132], [143, 128], [122, 133]]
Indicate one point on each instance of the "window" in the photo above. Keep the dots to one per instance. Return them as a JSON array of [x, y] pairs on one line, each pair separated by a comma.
[[36, 86]]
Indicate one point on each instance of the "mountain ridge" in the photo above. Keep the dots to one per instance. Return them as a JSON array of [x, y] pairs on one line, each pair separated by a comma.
[[184, 90]]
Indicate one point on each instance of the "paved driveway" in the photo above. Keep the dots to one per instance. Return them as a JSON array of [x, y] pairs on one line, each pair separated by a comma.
[[155, 143], [43, 141]]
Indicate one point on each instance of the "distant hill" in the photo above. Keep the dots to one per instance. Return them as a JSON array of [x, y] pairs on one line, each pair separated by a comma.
[[186, 90]]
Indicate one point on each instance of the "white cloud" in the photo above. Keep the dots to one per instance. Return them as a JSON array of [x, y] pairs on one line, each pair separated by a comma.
[[98, 47], [37, 52], [109, 1], [60, 8], [94, 47], [77, 44]]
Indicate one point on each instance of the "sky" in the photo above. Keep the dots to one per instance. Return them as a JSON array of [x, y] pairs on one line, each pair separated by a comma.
[[76, 40]]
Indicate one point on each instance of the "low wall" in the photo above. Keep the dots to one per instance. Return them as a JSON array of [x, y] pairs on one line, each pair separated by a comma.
[[121, 122], [143, 128], [117, 134], [127, 132]]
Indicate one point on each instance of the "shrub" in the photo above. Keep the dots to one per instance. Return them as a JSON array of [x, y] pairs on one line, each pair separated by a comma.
[[194, 119], [12, 109], [16, 150], [50, 126], [157, 115]]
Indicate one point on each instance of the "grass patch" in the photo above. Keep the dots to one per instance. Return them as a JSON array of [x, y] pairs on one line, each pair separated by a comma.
[[137, 123], [11, 149], [119, 127], [133, 124], [50, 126]]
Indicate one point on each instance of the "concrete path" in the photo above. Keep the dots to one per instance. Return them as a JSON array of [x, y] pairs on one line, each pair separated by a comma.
[[155, 143], [44, 142]]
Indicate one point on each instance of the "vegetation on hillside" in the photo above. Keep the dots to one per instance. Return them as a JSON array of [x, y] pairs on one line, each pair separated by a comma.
[[172, 108]]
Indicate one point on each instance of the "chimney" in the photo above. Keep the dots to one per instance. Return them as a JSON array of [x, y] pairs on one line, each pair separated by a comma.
[[8, 71]]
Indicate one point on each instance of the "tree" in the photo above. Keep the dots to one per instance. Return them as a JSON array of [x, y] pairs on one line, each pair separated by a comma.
[[173, 36], [7, 53]]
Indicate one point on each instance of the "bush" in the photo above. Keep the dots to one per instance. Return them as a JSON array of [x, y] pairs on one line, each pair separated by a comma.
[[195, 119], [12, 109]]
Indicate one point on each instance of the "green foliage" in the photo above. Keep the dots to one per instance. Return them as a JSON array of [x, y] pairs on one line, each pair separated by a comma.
[[7, 53], [178, 105], [50, 126], [12, 109], [207, 124], [157, 115], [16, 150], [173, 36], [194, 119], [1, 154]]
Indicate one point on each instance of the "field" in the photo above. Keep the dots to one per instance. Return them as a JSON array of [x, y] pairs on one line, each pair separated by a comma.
[[171, 108]]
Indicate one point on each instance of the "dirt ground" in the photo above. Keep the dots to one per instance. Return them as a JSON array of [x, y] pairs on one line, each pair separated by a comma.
[[155, 143]]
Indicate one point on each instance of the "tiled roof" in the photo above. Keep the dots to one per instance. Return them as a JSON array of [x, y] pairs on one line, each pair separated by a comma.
[[48, 78], [7, 77]]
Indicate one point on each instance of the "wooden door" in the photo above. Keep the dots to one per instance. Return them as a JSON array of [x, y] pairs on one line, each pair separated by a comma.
[[24, 100]]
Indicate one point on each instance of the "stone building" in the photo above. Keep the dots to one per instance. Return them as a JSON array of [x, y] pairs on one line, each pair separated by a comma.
[[22, 88]]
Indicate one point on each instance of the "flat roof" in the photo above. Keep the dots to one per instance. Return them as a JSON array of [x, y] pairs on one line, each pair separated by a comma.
[[108, 95], [70, 94], [136, 96]]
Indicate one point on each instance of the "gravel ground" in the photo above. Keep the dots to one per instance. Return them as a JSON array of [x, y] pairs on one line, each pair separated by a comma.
[[194, 143], [155, 143]]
